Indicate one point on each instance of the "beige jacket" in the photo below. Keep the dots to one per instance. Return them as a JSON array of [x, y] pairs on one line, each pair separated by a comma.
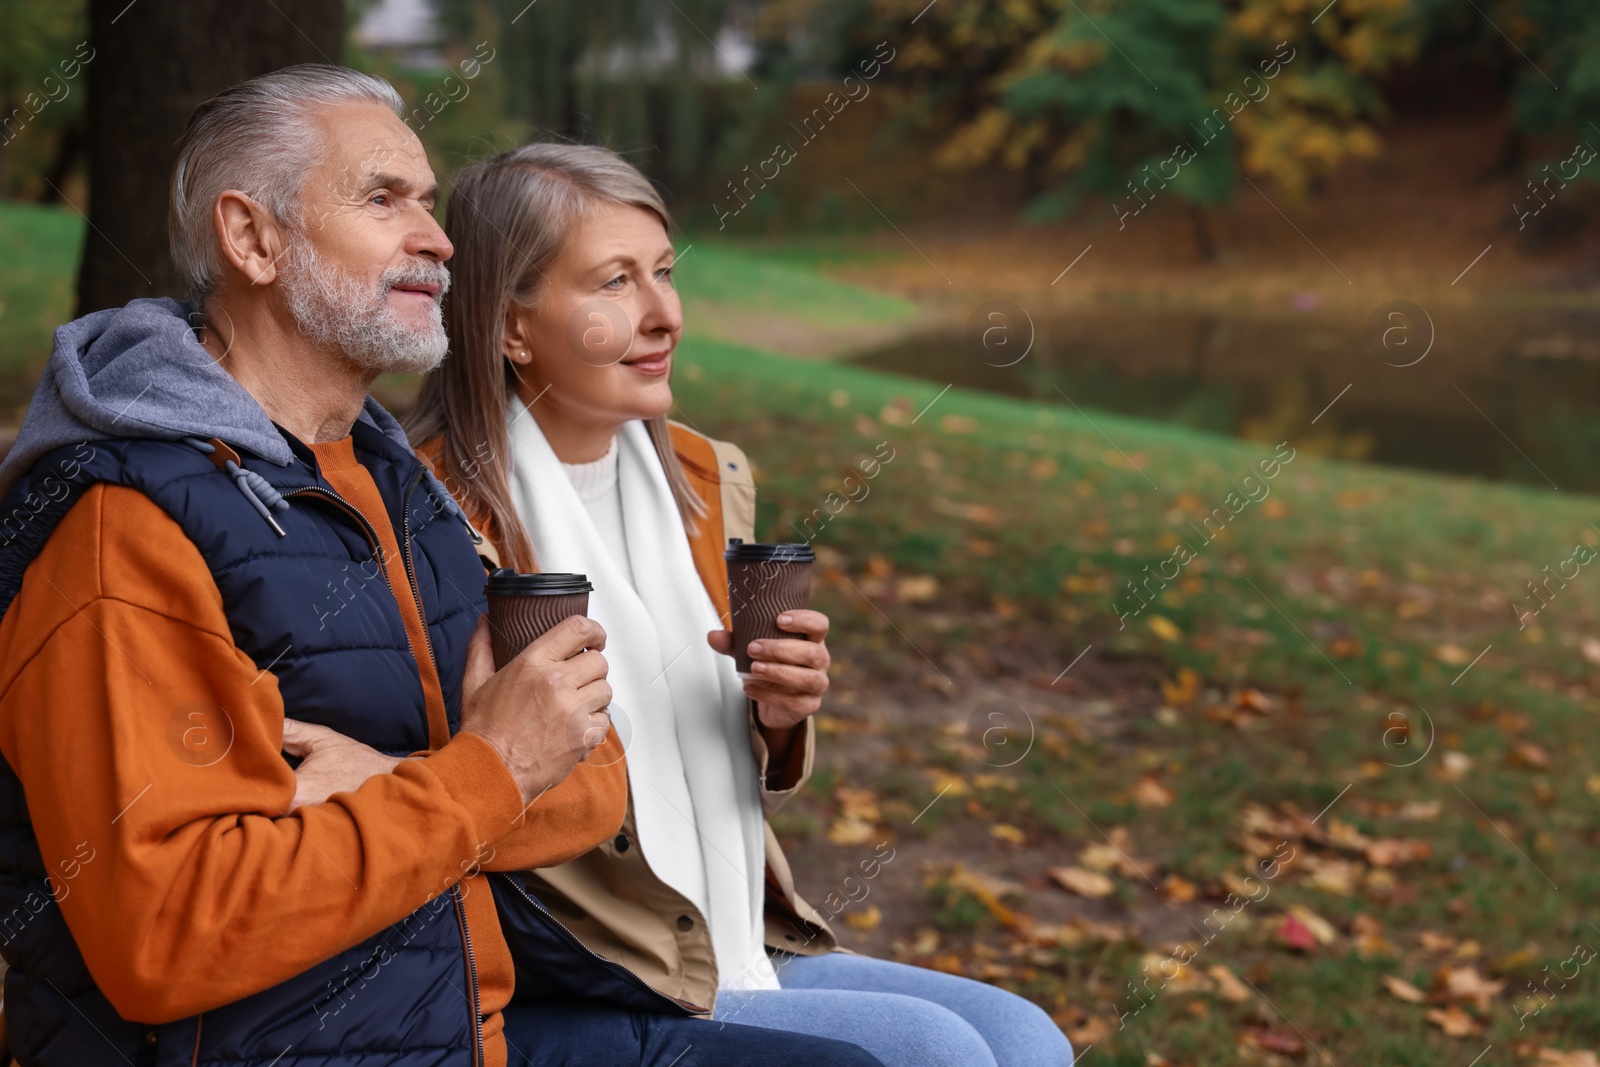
[[609, 897]]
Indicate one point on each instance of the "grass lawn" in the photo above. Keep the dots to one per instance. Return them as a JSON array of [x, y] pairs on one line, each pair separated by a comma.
[[39, 247], [1347, 639], [1322, 799], [1325, 649]]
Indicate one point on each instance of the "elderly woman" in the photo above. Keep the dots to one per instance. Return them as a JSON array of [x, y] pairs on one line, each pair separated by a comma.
[[549, 423]]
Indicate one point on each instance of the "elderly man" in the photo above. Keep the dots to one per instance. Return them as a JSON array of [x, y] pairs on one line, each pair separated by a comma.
[[215, 548]]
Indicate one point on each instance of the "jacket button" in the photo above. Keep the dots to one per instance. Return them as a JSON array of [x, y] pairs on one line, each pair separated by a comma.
[[621, 843], [685, 923], [150, 1038]]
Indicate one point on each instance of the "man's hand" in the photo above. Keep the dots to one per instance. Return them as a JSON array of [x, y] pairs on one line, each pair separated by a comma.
[[546, 709], [330, 762], [789, 675]]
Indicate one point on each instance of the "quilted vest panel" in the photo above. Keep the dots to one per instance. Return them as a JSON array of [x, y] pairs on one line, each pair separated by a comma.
[[313, 608]]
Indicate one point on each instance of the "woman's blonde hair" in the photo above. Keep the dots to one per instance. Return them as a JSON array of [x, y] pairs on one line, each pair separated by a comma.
[[509, 219]]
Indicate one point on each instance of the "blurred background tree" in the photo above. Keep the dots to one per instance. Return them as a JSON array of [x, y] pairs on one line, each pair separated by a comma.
[[39, 37], [1027, 109], [1090, 98], [152, 64]]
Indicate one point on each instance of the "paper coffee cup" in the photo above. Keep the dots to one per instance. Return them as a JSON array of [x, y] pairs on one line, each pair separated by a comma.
[[764, 581], [524, 606]]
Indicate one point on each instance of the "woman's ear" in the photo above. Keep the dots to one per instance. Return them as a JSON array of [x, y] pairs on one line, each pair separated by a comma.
[[250, 238], [515, 339]]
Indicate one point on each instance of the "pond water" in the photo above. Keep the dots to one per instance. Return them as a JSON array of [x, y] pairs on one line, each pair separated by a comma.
[[1511, 396]]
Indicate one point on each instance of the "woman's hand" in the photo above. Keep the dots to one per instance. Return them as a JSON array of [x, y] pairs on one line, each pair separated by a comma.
[[788, 675], [330, 762]]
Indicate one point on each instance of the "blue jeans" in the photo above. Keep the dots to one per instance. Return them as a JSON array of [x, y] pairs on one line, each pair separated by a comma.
[[906, 1016], [587, 1034]]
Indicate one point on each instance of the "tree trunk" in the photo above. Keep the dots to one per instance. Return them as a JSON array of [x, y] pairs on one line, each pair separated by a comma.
[[153, 62], [68, 149], [1204, 244]]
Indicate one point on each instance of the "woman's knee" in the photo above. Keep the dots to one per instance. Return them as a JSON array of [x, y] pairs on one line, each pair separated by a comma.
[[1022, 1034], [930, 1035]]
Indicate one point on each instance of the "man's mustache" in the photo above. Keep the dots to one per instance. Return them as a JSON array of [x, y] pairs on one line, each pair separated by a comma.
[[421, 272]]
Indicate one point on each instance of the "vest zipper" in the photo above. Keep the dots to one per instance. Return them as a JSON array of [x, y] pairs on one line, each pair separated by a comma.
[[405, 558], [405, 554], [472, 970], [427, 639], [572, 939]]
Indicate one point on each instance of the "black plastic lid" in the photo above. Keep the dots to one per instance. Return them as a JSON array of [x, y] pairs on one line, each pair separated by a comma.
[[790, 552], [507, 582]]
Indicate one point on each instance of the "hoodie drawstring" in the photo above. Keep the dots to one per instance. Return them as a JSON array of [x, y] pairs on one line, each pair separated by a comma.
[[256, 489]]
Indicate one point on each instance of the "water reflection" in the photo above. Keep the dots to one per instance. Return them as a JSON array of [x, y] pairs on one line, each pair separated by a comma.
[[1513, 396]]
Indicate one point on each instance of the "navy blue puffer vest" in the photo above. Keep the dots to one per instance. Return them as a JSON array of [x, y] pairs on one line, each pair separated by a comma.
[[405, 997]]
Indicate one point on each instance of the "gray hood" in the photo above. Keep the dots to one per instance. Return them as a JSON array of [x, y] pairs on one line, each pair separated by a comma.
[[139, 372]]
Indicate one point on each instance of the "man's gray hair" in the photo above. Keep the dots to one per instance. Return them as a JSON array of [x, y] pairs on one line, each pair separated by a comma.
[[259, 137]]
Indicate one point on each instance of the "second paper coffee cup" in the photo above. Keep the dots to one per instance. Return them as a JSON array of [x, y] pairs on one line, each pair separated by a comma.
[[524, 606], [764, 581]]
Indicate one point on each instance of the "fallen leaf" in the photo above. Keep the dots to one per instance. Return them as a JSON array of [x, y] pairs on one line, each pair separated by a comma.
[[1453, 1021], [915, 589], [1529, 755], [1179, 889], [1332, 875], [1099, 857], [945, 782], [1117, 851], [988, 890], [1404, 990], [858, 803], [897, 412], [865, 920], [1370, 941], [1164, 628], [1293, 932], [1344, 835], [1552, 1057], [1465, 983], [1229, 986], [1007, 832], [1396, 851], [1253, 700], [1454, 766], [848, 831], [858, 816], [1091, 884], [1267, 1040], [1520, 960], [1420, 810], [1148, 792], [1432, 942], [1320, 928], [1345, 648], [1183, 689], [1452, 655], [1182, 980]]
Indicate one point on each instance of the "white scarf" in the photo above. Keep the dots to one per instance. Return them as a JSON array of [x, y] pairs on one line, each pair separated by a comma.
[[696, 800]]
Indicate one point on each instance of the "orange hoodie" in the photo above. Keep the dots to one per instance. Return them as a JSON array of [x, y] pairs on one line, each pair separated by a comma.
[[149, 749]]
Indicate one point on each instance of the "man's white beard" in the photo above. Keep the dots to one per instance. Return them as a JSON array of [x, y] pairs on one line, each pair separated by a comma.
[[345, 313]]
